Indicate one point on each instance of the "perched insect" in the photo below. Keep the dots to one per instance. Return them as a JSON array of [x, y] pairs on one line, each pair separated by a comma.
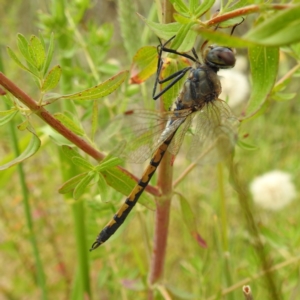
[[215, 127]]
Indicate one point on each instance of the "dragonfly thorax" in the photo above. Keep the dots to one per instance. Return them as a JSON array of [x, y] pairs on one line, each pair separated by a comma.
[[202, 86]]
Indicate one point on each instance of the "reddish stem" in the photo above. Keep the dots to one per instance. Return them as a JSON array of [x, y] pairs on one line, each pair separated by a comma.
[[163, 203], [245, 11], [59, 127]]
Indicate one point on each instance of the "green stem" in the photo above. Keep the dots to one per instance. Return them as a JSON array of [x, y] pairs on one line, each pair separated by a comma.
[[224, 229], [66, 44], [243, 196], [39, 266], [38, 262], [223, 214]]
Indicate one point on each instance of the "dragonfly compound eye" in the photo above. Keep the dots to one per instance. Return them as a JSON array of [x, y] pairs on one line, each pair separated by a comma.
[[220, 57]]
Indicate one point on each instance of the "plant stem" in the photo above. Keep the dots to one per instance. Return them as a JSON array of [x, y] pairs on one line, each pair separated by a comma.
[[245, 204], [163, 203], [46, 116], [38, 262], [39, 265]]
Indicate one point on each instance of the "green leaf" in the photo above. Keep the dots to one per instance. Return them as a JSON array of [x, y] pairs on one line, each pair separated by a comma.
[[30, 150], [180, 6], [7, 115], [144, 64], [49, 54], [24, 48], [194, 4], [101, 90], [82, 185], [203, 8], [38, 51], [123, 183], [69, 185], [82, 162], [189, 220], [106, 164], [52, 79], [94, 120], [26, 51], [283, 96], [264, 66], [70, 152], [246, 146], [280, 29], [185, 38], [102, 185], [164, 31], [23, 126], [16, 60], [224, 39], [181, 19], [69, 123]]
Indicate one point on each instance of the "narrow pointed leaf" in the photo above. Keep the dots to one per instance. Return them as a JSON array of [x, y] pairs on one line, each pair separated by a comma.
[[94, 120], [246, 146], [23, 126], [280, 29], [224, 39], [82, 185], [7, 115], [124, 184], [49, 54], [69, 123], [102, 185], [193, 5], [189, 220], [112, 162], [24, 48], [181, 19], [164, 31], [185, 38], [16, 60], [69, 185], [180, 6], [30, 150], [204, 7], [38, 51], [70, 152], [283, 96], [82, 162], [264, 67], [52, 79], [100, 90]]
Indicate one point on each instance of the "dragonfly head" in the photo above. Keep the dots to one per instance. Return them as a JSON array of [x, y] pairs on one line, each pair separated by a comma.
[[220, 57]]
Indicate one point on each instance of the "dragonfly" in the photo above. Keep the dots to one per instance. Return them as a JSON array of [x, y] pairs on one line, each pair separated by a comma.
[[197, 105]]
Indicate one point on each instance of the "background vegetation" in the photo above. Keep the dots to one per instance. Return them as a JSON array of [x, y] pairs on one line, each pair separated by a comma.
[[45, 236]]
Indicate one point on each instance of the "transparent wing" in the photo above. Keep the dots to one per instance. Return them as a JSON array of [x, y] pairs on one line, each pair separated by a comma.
[[179, 136], [143, 130], [214, 133]]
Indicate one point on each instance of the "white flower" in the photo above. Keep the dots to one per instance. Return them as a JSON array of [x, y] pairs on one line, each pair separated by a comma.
[[273, 190], [235, 85]]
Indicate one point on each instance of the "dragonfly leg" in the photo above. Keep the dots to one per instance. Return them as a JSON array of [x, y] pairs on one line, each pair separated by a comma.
[[177, 75]]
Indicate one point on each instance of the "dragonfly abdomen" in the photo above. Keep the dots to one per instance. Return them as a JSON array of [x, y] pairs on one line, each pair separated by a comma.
[[134, 196]]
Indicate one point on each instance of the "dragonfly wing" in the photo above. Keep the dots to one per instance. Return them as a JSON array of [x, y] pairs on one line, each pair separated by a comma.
[[143, 130], [215, 133], [179, 136]]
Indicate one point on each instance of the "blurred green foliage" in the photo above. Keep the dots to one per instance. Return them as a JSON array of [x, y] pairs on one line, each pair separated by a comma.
[[71, 46]]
